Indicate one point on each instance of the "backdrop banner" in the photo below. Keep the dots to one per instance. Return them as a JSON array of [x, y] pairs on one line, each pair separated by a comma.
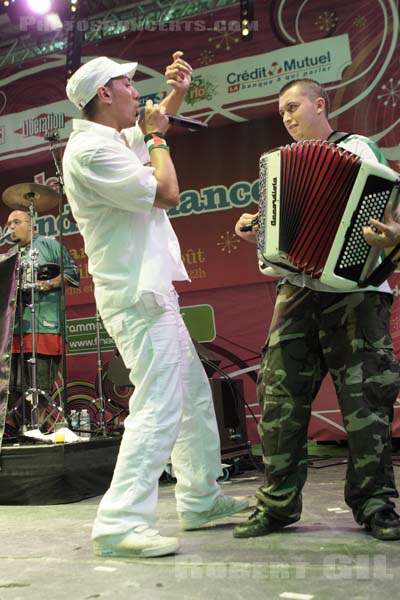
[[351, 49]]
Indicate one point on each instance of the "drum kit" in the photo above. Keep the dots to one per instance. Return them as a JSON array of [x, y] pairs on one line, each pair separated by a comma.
[[34, 198]]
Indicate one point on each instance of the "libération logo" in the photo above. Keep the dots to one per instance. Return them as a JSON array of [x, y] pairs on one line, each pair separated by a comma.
[[200, 89], [292, 67], [40, 125]]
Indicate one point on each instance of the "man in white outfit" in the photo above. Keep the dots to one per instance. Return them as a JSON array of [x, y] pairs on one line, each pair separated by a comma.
[[120, 180]]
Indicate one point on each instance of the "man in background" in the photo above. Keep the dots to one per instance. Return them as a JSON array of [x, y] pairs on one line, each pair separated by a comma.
[[48, 315]]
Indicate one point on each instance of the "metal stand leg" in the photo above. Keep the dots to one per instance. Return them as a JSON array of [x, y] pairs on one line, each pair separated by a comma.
[[101, 400]]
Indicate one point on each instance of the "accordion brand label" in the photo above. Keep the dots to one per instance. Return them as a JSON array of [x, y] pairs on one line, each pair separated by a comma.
[[272, 220]]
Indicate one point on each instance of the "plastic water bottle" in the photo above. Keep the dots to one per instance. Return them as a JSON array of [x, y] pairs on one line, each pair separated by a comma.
[[74, 417], [84, 424]]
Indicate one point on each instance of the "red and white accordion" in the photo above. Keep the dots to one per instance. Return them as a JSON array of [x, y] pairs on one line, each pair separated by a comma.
[[315, 197]]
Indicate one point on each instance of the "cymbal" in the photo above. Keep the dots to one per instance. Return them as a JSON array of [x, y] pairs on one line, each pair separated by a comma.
[[22, 195]]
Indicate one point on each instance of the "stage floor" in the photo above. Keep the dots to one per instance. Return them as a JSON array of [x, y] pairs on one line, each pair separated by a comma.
[[46, 553]]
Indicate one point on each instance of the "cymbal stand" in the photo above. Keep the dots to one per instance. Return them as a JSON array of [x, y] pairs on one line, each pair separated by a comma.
[[53, 137], [32, 266], [20, 304], [101, 399]]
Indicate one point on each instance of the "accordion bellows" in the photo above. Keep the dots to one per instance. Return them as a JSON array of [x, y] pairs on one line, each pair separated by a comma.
[[315, 197]]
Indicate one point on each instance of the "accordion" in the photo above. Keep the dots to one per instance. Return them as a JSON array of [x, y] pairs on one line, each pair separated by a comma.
[[315, 197]]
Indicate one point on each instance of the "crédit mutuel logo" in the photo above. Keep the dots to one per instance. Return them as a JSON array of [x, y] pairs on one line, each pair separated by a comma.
[[40, 125], [307, 66]]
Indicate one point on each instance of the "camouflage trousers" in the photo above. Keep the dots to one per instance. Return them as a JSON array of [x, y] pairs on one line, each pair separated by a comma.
[[311, 334]]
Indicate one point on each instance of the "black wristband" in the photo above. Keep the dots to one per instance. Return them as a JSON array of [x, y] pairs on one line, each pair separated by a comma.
[[149, 136]]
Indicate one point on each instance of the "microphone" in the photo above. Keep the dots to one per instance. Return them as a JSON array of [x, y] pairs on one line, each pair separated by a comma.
[[52, 135], [191, 124]]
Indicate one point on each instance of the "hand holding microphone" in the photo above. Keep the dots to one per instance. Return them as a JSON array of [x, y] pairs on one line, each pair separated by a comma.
[[179, 121], [154, 118]]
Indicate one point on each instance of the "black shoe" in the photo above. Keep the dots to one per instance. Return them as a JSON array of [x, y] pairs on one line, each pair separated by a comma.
[[259, 523], [384, 525]]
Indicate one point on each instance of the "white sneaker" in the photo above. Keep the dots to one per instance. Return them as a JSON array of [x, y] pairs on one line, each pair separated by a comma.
[[224, 506], [141, 542]]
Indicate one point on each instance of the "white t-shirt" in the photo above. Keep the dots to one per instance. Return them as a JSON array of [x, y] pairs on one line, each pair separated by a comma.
[[130, 244]]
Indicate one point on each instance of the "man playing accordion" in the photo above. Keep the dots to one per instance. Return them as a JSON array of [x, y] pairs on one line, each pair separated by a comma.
[[317, 329]]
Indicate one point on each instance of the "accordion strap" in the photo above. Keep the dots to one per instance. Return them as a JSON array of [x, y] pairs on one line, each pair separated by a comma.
[[382, 272], [337, 136]]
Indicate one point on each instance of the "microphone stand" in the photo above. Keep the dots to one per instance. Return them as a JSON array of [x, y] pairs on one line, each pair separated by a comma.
[[53, 137], [21, 358], [101, 398]]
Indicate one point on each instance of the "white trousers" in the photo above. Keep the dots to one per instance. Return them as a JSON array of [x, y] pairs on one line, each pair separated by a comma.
[[171, 415]]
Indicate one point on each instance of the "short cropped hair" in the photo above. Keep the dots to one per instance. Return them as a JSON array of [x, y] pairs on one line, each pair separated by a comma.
[[89, 111], [313, 89]]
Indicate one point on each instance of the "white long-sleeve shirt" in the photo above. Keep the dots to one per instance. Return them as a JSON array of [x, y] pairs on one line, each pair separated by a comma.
[[130, 244]]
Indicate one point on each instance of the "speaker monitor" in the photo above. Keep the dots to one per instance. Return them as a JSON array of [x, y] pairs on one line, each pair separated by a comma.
[[230, 412], [228, 404], [118, 374]]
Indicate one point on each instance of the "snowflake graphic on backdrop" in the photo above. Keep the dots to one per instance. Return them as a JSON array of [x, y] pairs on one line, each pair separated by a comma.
[[206, 57], [360, 21], [390, 92], [229, 242], [225, 38], [327, 21]]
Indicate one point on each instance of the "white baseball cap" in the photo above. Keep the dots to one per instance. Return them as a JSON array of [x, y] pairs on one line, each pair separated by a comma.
[[85, 82]]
